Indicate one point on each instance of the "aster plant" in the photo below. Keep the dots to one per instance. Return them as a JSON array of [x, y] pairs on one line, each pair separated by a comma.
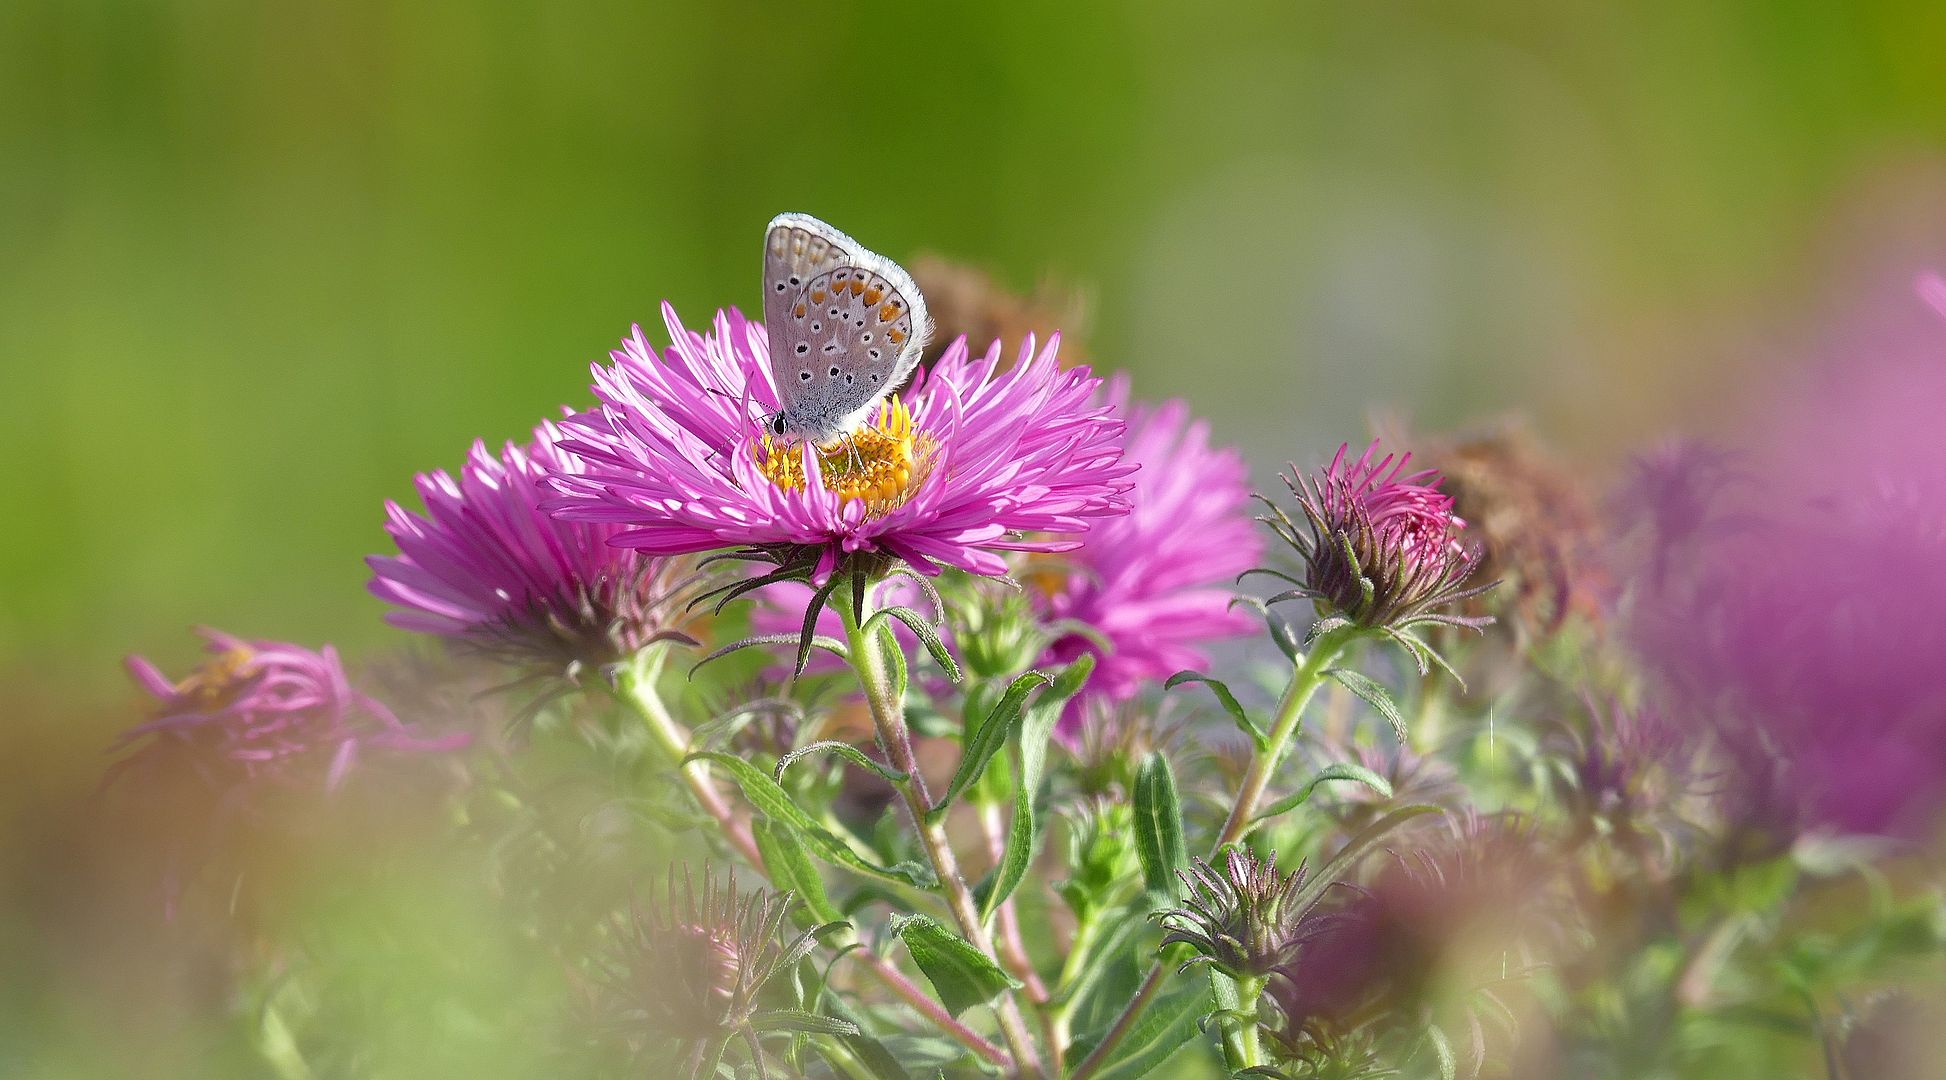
[[896, 668]]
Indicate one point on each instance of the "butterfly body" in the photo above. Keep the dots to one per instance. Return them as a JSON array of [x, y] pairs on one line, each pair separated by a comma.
[[846, 327]]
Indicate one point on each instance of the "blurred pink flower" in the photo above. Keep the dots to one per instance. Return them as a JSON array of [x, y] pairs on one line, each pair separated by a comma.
[[971, 462], [1806, 620], [264, 710], [485, 566], [1156, 584]]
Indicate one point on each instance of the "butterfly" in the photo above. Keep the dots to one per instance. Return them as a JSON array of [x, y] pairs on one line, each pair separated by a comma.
[[846, 326]]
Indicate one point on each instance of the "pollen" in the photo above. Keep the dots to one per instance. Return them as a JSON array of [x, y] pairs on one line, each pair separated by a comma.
[[882, 463], [216, 683]]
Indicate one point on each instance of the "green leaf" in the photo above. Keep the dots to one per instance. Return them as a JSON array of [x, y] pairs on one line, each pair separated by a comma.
[[828, 644], [1229, 702], [927, 635], [799, 1020], [1374, 694], [789, 867], [842, 749], [962, 975], [1036, 731], [1442, 1047], [1154, 1038], [1340, 771], [988, 738], [809, 633], [775, 804], [1158, 827]]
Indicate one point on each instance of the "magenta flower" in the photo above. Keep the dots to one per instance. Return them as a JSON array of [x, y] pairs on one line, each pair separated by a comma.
[[265, 710], [1801, 620], [969, 464], [484, 566], [1381, 548], [1154, 585]]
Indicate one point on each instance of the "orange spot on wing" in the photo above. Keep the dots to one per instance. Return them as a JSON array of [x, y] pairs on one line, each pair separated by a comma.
[[872, 294], [887, 313], [894, 336], [799, 310], [818, 297], [857, 286]]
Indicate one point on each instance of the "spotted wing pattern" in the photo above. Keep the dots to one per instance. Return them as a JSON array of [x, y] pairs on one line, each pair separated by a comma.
[[843, 340]]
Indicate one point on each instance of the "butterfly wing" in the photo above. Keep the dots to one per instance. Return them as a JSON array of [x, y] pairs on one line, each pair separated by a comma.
[[797, 248], [848, 337]]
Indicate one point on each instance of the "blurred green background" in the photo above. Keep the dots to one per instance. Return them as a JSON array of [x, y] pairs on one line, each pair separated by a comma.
[[264, 260]]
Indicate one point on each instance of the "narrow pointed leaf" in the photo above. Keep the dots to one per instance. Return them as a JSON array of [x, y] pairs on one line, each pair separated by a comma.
[[1036, 731], [799, 1020], [960, 974], [989, 738], [1227, 700], [928, 636], [1340, 771], [1153, 1039], [789, 867], [1158, 827], [1374, 694], [842, 749], [774, 803]]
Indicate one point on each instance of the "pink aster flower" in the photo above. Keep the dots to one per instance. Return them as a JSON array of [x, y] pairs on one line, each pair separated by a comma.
[[486, 567], [1381, 548], [264, 710], [1154, 586], [1801, 619], [968, 464]]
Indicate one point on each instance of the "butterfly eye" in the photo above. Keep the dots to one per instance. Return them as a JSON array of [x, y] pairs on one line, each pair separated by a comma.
[[777, 424]]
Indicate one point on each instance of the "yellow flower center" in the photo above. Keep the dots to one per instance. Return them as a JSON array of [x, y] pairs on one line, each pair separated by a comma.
[[212, 685], [882, 463]]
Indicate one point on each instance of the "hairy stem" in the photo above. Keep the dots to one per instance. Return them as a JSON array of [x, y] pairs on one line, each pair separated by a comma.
[[636, 687], [888, 718], [1306, 677]]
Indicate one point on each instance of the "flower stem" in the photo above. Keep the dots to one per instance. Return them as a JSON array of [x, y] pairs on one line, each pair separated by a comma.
[[636, 687], [888, 718], [1290, 712], [1241, 1049], [1306, 677]]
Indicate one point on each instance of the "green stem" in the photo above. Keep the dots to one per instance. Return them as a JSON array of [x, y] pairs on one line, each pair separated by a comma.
[[1241, 1049], [1290, 712], [1306, 677], [883, 694], [636, 687]]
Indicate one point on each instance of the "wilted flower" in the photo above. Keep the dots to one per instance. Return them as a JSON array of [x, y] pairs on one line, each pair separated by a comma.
[[1244, 919], [693, 971], [1380, 546], [484, 566], [1151, 588], [965, 302], [961, 468], [1534, 523], [264, 710]]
